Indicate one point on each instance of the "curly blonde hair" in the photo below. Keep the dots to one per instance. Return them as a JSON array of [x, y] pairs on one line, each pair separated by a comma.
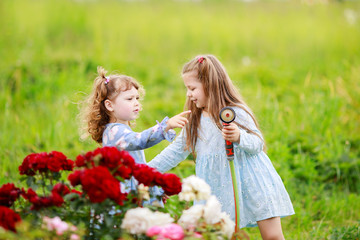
[[94, 114]]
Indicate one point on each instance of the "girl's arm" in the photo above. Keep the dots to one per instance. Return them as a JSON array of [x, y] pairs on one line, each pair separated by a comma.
[[171, 156], [248, 142], [121, 136]]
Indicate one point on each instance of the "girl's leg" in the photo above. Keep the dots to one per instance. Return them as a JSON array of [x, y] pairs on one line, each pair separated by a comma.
[[270, 229]]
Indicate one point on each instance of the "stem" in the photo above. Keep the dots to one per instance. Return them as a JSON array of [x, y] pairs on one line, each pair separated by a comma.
[[51, 180], [43, 182]]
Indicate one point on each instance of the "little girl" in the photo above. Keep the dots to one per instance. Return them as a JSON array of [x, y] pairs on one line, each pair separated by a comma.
[[113, 104], [262, 195]]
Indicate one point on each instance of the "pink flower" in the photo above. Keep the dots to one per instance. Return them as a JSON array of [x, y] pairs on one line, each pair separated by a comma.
[[74, 237], [153, 231], [173, 232], [56, 224], [197, 235]]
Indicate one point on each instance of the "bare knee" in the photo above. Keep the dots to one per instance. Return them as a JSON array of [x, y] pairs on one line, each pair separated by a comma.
[[270, 229]]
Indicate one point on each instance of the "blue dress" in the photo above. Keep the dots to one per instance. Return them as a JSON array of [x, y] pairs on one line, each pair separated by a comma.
[[262, 194], [121, 136]]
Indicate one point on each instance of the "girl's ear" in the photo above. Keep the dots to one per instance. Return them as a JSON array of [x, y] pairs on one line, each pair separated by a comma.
[[108, 105]]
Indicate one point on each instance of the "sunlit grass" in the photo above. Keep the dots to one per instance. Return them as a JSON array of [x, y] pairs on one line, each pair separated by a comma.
[[297, 66]]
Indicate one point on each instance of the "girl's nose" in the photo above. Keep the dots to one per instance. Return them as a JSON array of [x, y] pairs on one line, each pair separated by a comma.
[[188, 94]]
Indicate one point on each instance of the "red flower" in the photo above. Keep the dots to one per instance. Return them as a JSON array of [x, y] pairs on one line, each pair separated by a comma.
[[29, 195], [42, 162], [95, 188], [60, 189], [75, 178], [145, 174], [116, 161], [56, 199], [76, 191], [80, 161], [171, 184], [42, 202], [54, 165], [26, 166], [8, 194], [127, 167], [8, 218], [110, 157], [99, 185]]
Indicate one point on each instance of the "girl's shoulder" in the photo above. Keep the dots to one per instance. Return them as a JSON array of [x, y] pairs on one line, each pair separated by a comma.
[[241, 110]]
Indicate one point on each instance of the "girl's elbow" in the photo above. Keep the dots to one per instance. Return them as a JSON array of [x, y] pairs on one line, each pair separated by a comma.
[[256, 148]]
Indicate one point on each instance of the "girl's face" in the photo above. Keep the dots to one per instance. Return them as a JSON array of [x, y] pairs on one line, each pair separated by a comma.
[[125, 107], [195, 90]]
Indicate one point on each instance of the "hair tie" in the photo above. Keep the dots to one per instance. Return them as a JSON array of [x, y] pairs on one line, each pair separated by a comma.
[[107, 80], [201, 59]]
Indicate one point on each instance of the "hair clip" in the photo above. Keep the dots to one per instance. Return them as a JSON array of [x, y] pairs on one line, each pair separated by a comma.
[[201, 59], [107, 80]]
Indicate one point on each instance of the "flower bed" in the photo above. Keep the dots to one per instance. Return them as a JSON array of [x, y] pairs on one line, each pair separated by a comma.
[[87, 199]]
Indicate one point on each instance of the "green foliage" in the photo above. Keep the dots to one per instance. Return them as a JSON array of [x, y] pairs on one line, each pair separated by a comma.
[[297, 66], [346, 233]]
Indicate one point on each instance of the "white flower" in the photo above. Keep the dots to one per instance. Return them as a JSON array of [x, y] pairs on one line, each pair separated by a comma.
[[161, 219], [212, 210], [227, 225], [191, 216], [139, 220], [194, 188]]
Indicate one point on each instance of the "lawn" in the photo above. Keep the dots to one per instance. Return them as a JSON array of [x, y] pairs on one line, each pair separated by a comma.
[[297, 66]]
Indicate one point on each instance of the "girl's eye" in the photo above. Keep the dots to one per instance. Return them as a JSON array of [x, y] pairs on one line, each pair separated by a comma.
[[137, 98]]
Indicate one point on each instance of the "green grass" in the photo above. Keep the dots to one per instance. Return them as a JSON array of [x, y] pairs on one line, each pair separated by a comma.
[[303, 83]]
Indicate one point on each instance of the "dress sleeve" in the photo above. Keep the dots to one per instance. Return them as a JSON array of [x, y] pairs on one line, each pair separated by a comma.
[[249, 142], [121, 136], [171, 156]]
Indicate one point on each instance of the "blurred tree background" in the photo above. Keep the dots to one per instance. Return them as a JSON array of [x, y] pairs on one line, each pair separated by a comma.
[[297, 64]]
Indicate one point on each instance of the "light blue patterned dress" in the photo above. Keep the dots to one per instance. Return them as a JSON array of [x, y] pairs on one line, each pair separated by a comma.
[[122, 137], [262, 194]]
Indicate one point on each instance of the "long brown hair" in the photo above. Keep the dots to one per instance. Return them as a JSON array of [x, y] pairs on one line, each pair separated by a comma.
[[220, 92], [94, 113]]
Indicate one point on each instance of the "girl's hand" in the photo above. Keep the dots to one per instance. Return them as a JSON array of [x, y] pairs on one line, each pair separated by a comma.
[[177, 121], [231, 133]]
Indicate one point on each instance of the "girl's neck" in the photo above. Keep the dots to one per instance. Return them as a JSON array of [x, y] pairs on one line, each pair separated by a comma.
[[114, 120], [205, 113]]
